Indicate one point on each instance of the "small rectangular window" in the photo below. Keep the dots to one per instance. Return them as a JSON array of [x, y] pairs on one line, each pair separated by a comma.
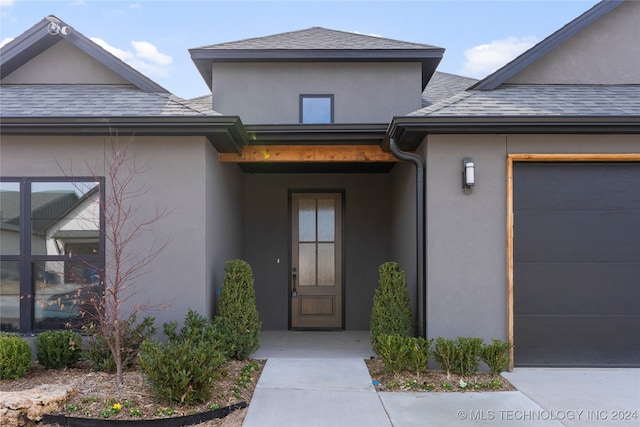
[[316, 109]]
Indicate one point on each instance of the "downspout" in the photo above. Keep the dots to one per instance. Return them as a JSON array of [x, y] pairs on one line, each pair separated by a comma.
[[421, 284]]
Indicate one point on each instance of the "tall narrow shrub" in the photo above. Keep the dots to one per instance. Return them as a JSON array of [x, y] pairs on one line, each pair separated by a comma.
[[237, 316], [391, 312]]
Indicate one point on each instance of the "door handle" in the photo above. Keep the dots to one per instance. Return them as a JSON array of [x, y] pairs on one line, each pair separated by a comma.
[[294, 276]]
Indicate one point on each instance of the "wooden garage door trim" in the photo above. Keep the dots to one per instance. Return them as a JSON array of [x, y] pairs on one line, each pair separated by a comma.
[[540, 157]]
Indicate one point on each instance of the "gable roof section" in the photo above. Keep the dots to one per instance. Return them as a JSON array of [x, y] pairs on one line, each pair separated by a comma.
[[490, 106], [548, 44], [143, 108], [320, 45], [37, 39], [522, 109]]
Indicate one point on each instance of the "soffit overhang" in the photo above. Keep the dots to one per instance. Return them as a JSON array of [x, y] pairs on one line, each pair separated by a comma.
[[409, 132], [303, 148]]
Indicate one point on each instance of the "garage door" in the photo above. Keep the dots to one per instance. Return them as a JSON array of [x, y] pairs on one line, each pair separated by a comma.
[[576, 272]]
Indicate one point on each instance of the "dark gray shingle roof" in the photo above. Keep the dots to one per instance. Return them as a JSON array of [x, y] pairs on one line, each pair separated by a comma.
[[92, 101], [318, 38], [533, 100], [443, 86]]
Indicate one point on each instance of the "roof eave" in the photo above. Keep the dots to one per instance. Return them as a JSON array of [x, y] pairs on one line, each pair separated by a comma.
[[410, 131], [225, 133], [204, 58], [545, 46]]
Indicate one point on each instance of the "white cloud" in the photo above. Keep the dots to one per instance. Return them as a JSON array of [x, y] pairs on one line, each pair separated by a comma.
[[6, 2], [486, 58], [145, 57], [119, 53], [145, 50], [5, 41], [135, 6]]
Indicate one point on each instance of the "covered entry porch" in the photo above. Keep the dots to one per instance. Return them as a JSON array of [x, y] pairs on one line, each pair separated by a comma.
[[374, 196]]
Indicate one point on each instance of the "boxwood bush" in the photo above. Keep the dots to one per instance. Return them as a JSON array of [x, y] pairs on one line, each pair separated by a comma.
[[58, 349], [15, 356], [496, 355]]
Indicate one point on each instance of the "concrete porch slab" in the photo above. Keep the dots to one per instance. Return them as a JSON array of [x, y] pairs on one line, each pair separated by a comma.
[[316, 374]]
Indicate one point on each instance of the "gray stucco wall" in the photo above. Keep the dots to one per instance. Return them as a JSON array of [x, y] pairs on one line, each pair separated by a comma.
[[403, 224], [224, 201], [466, 235], [363, 92], [266, 234], [587, 57], [64, 63]]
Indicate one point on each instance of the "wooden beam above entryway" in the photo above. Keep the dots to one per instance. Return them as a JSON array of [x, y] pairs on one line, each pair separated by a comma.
[[308, 153]]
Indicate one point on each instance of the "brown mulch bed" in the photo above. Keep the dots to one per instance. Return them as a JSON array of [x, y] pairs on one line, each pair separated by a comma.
[[97, 393], [434, 381]]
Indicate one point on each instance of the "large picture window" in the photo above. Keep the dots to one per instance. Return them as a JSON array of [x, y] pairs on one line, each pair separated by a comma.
[[51, 252]]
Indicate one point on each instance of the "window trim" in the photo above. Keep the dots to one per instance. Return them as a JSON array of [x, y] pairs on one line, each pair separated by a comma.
[[331, 99]]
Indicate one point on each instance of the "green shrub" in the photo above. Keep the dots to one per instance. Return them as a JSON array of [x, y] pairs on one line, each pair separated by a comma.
[[15, 356], [419, 353], [391, 312], [394, 352], [133, 335], [445, 354], [467, 358], [237, 316], [496, 355], [58, 349], [183, 369]]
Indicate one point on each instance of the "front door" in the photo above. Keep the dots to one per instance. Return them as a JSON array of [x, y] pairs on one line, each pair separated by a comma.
[[316, 260]]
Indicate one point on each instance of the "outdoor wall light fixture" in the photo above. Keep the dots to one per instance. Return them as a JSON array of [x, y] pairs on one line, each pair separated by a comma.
[[56, 28], [468, 173]]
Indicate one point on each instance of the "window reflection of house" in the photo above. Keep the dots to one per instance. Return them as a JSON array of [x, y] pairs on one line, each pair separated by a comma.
[[62, 252]]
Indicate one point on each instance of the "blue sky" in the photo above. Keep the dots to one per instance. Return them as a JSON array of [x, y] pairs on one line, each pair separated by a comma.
[[154, 36]]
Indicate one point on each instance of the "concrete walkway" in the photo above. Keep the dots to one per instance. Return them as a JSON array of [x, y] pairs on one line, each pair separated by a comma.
[[315, 392], [320, 379]]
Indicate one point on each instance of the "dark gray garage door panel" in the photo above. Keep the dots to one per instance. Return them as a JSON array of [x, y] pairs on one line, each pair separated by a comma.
[[577, 264]]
